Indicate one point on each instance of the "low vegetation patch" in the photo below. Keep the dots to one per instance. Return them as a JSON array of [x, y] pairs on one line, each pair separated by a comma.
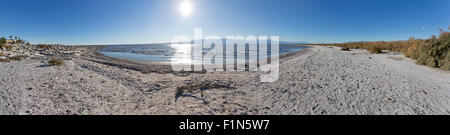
[[18, 58], [43, 46], [4, 60], [46, 46], [434, 51], [345, 49], [6, 46], [375, 50], [56, 62]]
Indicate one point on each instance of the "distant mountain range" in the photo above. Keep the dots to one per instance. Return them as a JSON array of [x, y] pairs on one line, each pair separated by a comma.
[[223, 40], [281, 42], [290, 43]]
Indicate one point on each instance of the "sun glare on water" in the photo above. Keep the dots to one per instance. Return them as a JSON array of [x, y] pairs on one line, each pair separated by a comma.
[[186, 8]]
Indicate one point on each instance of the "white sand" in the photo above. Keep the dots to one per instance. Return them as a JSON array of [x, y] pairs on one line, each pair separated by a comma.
[[330, 81], [321, 80]]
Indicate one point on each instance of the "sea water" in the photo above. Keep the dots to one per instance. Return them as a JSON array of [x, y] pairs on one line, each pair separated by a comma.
[[179, 53]]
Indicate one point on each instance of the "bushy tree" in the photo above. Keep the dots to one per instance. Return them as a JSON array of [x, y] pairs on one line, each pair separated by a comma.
[[435, 51], [2, 40]]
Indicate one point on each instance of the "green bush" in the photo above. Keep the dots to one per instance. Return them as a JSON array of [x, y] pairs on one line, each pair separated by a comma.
[[2, 40], [446, 62], [435, 52]]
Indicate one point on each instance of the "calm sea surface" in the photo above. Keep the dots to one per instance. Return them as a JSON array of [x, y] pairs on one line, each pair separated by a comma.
[[180, 53]]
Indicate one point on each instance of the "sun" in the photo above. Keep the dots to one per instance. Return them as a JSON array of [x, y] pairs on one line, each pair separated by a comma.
[[186, 8]]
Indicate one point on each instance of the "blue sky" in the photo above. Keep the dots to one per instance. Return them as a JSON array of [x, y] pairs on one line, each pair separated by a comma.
[[151, 21]]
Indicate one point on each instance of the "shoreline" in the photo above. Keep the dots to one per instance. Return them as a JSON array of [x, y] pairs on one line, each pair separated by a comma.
[[316, 80], [158, 67]]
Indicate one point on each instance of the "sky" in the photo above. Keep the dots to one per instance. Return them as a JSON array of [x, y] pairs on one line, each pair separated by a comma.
[[84, 22]]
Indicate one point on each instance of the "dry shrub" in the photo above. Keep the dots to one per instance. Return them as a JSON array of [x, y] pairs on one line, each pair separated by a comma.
[[18, 58], [434, 51], [375, 50], [4, 60], [414, 47], [6, 46], [345, 49], [56, 62]]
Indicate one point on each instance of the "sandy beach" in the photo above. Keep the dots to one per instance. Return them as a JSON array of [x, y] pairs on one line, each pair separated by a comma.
[[317, 80]]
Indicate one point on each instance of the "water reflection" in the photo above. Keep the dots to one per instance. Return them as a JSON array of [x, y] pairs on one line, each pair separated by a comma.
[[179, 53]]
